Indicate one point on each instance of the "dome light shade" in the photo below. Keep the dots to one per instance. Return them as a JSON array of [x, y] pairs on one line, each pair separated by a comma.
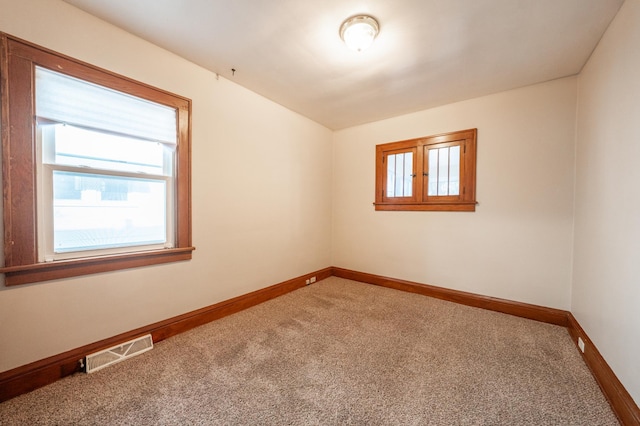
[[359, 31]]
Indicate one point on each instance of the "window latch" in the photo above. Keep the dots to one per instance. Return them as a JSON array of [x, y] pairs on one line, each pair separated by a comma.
[[425, 174]]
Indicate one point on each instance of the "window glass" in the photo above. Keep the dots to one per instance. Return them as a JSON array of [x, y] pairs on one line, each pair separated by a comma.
[[433, 172], [454, 170], [444, 171], [93, 212], [72, 146], [400, 175]]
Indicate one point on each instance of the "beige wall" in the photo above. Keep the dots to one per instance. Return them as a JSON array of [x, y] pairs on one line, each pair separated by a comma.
[[517, 245], [606, 277], [261, 197]]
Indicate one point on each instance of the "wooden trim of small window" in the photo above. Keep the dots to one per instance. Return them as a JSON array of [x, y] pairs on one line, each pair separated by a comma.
[[453, 192], [18, 59]]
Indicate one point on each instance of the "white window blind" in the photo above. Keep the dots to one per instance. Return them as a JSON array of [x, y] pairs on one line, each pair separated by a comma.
[[65, 99]]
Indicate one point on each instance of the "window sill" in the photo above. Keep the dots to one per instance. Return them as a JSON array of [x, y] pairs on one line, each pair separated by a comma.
[[466, 206], [24, 274]]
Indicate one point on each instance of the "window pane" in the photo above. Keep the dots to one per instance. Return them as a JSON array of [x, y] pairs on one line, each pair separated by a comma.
[[71, 146], [99, 211], [443, 171], [69, 100], [408, 178], [391, 176], [400, 175], [454, 170], [433, 172]]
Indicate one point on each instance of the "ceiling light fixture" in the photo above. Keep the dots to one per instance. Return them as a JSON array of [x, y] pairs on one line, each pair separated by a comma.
[[359, 31]]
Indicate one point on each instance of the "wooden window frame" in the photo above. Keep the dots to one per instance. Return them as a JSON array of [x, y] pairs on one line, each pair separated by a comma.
[[420, 200], [395, 149], [18, 60]]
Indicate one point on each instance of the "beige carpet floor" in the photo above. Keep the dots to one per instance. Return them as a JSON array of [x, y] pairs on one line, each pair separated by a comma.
[[337, 352]]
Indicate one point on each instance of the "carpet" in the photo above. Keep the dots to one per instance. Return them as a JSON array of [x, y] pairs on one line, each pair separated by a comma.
[[337, 352]]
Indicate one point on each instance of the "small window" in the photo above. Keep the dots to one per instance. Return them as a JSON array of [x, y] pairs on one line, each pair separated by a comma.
[[97, 169], [431, 173]]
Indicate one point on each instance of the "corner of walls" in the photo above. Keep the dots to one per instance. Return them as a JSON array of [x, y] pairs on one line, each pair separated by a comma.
[[515, 246], [573, 193], [605, 294], [253, 224]]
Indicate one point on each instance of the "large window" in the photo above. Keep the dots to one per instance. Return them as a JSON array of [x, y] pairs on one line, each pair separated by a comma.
[[431, 173], [96, 168]]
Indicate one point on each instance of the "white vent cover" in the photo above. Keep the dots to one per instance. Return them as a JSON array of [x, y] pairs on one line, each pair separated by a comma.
[[102, 359]]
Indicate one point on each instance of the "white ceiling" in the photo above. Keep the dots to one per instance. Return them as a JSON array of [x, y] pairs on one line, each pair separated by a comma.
[[428, 53]]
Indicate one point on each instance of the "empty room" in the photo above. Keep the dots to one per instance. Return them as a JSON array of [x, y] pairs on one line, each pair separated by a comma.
[[338, 212]]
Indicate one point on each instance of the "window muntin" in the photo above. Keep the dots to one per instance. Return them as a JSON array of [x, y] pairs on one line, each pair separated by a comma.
[[443, 175], [23, 152]]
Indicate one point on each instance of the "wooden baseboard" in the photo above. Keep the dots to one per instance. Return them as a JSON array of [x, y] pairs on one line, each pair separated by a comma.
[[621, 402], [40, 373], [525, 310]]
